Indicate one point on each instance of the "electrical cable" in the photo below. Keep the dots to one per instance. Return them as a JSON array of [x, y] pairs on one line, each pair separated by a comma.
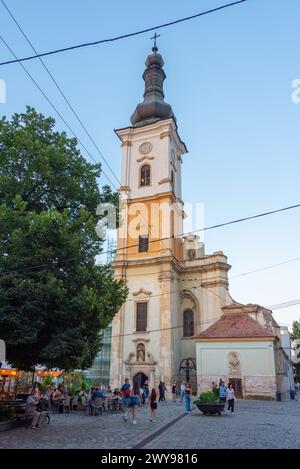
[[117, 38]]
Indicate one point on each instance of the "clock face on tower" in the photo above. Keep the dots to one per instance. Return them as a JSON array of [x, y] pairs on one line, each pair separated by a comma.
[[145, 148]]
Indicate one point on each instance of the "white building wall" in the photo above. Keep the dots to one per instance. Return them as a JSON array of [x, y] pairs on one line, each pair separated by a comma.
[[256, 370]]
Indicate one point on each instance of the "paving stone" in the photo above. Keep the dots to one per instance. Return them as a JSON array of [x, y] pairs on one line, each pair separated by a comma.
[[256, 424]]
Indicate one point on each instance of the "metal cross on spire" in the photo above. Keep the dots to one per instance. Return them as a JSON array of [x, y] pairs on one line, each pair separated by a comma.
[[155, 48]]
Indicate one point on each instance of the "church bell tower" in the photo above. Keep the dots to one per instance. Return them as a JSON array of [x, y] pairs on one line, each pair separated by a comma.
[[149, 242]]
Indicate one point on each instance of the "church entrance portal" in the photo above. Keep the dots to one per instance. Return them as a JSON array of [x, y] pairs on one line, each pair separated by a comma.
[[237, 386], [140, 379]]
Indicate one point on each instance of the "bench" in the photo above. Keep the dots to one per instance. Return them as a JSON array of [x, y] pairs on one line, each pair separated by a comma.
[[23, 420]]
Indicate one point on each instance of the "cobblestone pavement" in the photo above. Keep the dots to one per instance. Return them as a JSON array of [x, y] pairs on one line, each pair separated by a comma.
[[256, 424], [78, 430]]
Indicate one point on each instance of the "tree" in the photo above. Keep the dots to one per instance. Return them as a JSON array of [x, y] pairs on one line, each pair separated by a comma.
[[54, 299], [295, 330], [296, 336]]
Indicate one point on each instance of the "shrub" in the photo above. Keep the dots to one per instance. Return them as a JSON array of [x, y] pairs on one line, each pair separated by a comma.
[[6, 413], [207, 397]]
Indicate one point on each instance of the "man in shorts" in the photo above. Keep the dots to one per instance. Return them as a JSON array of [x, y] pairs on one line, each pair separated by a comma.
[[126, 394]]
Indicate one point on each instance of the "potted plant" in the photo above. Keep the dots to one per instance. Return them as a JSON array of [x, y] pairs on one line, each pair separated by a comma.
[[208, 402], [7, 417]]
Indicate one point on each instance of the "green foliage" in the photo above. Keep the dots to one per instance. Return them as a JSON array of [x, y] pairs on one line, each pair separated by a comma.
[[49, 381], [208, 397], [54, 299], [42, 387], [74, 382], [216, 392], [294, 336], [6, 413], [296, 330]]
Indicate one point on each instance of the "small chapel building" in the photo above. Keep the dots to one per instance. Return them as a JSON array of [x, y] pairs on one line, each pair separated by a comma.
[[179, 320]]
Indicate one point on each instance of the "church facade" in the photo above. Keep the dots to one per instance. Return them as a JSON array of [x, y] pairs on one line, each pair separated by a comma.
[[176, 290]]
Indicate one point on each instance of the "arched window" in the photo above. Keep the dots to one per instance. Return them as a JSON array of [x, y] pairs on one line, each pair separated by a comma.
[[145, 175], [188, 323]]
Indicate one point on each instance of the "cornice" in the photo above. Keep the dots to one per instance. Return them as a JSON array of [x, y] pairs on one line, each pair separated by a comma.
[[215, 283], [124, 189], [161, 195], [141, 291], [234, 339], [207, 267], [163, 181], [177, 266], [141, 339], [140, 132], [165, 134], [146, 157]]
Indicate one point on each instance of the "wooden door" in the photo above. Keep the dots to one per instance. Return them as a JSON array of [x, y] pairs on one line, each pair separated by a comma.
[[237, 386]]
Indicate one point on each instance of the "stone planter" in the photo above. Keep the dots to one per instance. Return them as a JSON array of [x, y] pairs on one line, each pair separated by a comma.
[[7, 425], [211, 409]]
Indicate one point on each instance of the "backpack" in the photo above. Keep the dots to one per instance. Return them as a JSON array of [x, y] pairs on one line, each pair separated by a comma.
[[127, 392]]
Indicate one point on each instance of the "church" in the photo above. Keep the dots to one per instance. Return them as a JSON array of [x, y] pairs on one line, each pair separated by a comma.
[[179, 321]]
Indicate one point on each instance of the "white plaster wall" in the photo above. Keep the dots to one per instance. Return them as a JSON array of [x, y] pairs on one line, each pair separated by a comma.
[[148, 282], [160, 165], [257, 358], [188, 348]]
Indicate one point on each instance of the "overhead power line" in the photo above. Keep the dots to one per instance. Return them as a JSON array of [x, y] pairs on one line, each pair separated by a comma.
[[123, 36], [264, 268], [56, 110], [61, 91], [239, 220], [285, 304], [66, 100]]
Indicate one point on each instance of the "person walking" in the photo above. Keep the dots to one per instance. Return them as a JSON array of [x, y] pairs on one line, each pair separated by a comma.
[[187, 398], [146, 389], [135, 401], [222, 392], [162, 388], [143, 395], [126, 395], [174, 390], [182, 390], [153, 405], [230, 397]]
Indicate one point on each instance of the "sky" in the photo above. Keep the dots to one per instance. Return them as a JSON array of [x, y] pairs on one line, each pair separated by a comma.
[[229, 81]]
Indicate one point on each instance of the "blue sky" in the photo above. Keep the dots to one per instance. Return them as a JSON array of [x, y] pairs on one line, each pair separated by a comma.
[[229, 78]]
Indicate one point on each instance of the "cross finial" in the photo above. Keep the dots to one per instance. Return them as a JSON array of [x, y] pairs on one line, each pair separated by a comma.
[[155, 48]]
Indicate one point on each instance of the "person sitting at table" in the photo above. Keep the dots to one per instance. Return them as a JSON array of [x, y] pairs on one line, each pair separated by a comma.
[[30, 409], [97, 393]]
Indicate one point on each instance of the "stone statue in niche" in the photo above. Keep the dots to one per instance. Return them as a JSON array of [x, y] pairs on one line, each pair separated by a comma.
[[233, 360], [192, 254], [140, 353]]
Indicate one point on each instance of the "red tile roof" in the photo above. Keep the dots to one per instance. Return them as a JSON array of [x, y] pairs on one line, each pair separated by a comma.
[[237, 325]]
